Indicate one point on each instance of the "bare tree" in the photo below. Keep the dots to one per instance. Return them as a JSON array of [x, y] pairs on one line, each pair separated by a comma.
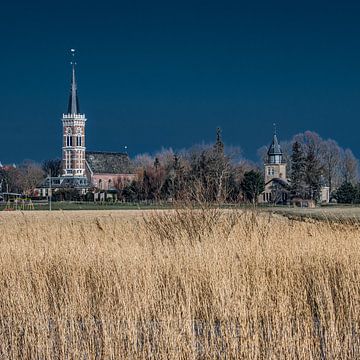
[[143, 161], [262, 155], [310, 141], [31, 175], [52, 166], [234, 154], [165, 158], [331, 159], [10, 179], [349, 167]]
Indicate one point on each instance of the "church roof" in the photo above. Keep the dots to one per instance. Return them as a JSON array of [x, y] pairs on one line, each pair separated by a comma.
[[275, 148], [283, 182], [101, 162], [73, 105]]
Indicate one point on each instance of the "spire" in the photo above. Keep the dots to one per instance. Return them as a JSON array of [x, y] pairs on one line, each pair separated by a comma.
[[275, 153], [274, 148], [73, 106]]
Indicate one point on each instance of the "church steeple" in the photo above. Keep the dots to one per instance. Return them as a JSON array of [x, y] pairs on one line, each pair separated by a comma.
[[275, 153], [73, 106], [73, 161], [275, 167]]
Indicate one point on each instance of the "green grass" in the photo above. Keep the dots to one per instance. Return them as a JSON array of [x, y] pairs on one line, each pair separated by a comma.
[[66, 205]]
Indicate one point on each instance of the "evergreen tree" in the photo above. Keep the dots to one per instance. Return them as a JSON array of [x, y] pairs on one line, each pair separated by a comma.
[[346, 193], [312, 173], [297, 173], [357, 193], [219, 145], [252, 185]]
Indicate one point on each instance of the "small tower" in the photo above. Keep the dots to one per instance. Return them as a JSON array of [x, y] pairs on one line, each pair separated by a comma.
[[73, 150], [275, 167]]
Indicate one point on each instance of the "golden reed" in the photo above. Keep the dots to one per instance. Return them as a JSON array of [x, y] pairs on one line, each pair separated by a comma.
[[183, 284]]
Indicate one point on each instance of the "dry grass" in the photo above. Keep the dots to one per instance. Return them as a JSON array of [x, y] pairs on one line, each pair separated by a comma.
[[204, 284]]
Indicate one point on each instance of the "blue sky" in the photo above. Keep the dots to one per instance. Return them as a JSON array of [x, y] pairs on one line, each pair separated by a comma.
[[166, 74]]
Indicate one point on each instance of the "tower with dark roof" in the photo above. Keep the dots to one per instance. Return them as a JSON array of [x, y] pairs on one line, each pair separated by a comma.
[[275, 167], [73, 149]]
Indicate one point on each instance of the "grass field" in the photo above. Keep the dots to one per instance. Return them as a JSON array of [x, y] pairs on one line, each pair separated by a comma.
[[67, 205], [180, 284], [328, 213]]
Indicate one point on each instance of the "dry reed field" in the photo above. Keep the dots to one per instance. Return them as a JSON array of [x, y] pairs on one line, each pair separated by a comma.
[[182, 284]]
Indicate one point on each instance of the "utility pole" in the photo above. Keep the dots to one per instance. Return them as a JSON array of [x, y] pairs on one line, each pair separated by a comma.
[[50, 192]]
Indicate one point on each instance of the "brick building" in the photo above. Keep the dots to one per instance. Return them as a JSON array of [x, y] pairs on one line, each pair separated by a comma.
[[81, 169]]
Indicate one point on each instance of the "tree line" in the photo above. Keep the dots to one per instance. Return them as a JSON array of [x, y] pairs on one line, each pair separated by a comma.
[[206, 173], [216, 173]]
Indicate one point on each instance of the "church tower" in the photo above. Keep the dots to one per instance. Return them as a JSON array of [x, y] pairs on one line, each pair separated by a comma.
[[275, 167], [73, 149]]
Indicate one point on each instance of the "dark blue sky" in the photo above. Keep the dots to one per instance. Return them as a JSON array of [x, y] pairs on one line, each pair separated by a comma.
[[153, 74]]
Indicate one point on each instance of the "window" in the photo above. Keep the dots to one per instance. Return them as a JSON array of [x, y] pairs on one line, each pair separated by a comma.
[[68, 161], [78, 137], [271, 171], [69, 141]]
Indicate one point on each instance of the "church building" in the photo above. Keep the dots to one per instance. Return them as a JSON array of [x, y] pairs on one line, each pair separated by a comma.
[[83, 170], [277, 187]]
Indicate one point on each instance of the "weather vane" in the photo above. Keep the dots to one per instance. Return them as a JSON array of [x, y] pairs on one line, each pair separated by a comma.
[[274, 124]]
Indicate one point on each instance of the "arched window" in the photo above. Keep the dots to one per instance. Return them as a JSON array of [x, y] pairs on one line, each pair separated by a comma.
[[78, 138], [100, 184], [69, 137]]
